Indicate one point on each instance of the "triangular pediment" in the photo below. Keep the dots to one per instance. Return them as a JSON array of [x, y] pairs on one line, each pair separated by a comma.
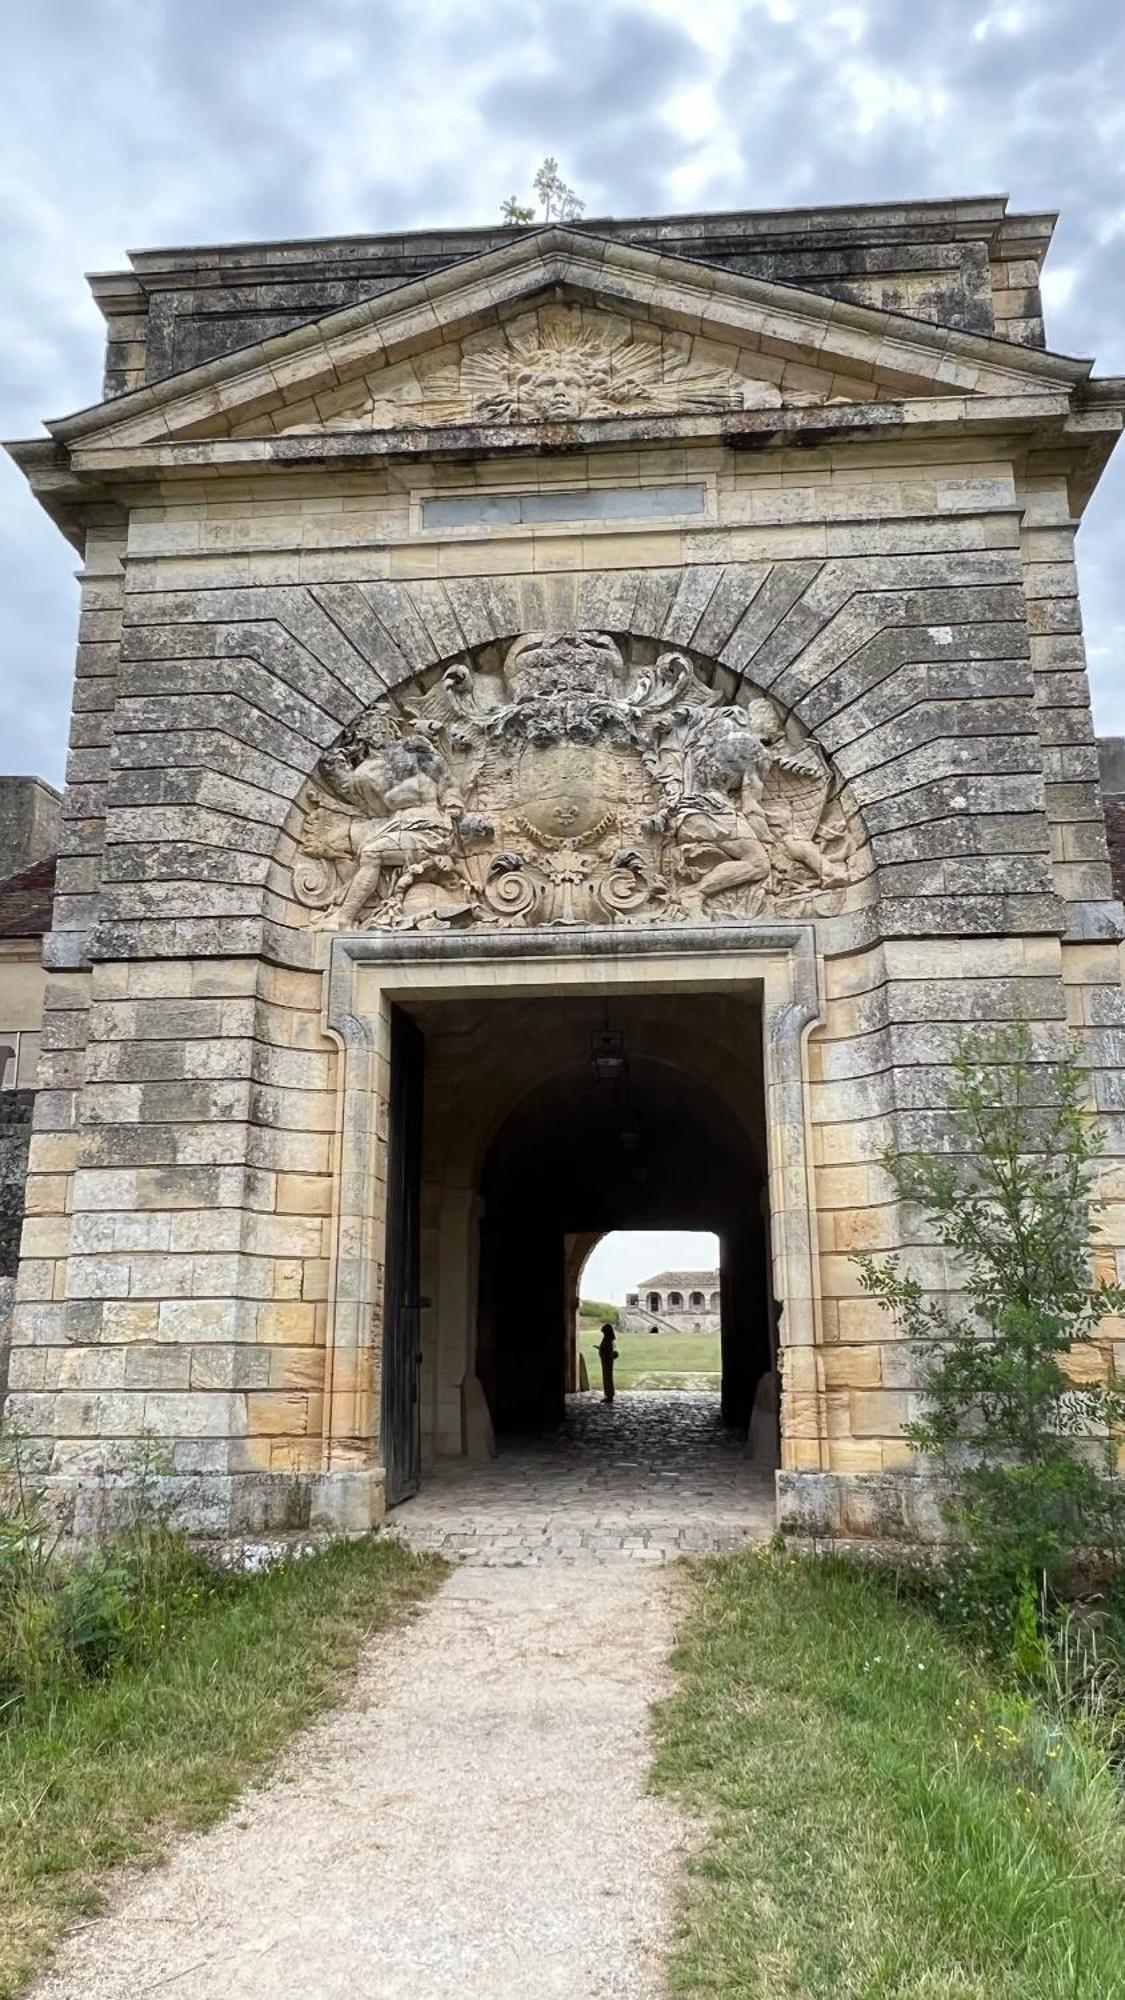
[[559, 363], [562, 326]]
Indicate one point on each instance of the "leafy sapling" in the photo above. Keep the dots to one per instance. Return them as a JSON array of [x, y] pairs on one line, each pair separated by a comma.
[[557, 201], [1017, 1408]]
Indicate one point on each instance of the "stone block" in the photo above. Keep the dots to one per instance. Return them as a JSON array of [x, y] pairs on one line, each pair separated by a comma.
[[288, 1273], [78, 1414], [156, 1367], [799, 1369], [277, 1413], [207, 1319], [296, 1368], [872, 1508], [123, 1321], [46, 1194], [904, 1365], [289, 1322], [242, 1367], [304, 1194], [809, 1504], [193, 1414], [849, 1456], [160, 1277], [1088, 1363], [926, 1510], [27, 1369], [877, 1412], [95, 1277], [853, 1367], [800, 1414], [347, 1503], [92, 1368], [45, 1236]]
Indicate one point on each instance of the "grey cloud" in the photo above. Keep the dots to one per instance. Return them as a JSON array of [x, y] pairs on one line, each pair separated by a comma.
[[38, 619], [593, 97], [592, 62], [1035, 113], [144, 122]]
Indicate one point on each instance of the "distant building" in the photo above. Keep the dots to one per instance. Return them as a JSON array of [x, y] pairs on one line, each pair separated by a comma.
[[674, 1302]]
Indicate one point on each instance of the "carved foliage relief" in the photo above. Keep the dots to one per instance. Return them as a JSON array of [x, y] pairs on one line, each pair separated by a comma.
[[572, 780]]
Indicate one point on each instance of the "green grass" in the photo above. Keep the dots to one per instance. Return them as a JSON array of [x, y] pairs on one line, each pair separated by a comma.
[[105, 1772], [881, 1819], [654, 1361]]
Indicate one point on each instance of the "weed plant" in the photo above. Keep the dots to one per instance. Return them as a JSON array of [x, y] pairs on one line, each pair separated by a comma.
[[71, 1615], [140, 1689], [1027, 1440]]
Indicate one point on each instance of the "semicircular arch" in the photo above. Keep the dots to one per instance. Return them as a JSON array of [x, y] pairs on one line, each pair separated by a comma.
[[585, 776]]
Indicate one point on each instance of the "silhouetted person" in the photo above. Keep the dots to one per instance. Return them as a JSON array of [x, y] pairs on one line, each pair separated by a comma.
[[607, 1353]]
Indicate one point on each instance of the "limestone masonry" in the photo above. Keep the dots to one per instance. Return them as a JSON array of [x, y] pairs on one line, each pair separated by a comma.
[[569, 725], [674, 1302]]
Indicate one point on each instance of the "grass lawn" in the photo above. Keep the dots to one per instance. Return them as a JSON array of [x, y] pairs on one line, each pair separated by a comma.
[[106, 1771], [880, 1817], [656, 1360]]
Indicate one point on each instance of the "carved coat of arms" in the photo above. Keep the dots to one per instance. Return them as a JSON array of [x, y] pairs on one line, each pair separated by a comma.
[[569, 784]]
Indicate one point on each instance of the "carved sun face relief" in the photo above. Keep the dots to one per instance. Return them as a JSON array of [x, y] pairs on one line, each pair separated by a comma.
[[558, 366], [563, 372], [575, 781]]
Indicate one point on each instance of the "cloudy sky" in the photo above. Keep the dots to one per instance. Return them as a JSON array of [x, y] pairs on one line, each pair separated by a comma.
[[134, 123], [624, 1258]]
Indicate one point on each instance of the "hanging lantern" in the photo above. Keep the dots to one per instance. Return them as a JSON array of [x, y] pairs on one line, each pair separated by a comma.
[[608, 1061]]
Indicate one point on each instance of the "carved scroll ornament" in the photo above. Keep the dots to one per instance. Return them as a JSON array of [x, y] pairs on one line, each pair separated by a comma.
[[570, 786]]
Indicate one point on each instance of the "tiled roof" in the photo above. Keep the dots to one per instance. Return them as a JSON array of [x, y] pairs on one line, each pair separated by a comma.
[[679, 1281], [26, 899]]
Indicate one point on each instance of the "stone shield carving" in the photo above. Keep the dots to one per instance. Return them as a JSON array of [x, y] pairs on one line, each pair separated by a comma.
[[572, 782]]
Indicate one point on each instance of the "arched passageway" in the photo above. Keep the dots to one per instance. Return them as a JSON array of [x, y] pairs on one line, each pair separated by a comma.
[[549, 1123], [578, 1157]]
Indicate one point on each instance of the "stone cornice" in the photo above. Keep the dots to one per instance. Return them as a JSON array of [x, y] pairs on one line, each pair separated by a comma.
[[618, 276], [82, 485], [748, 430]]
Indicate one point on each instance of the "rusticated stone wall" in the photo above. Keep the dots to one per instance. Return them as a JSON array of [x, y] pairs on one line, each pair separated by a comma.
[[15, 1136], [960, 263], [177, 1258], [892, 569]]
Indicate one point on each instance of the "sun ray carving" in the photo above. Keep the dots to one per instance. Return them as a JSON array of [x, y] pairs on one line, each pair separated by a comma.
[[553, 367], [566, 370]]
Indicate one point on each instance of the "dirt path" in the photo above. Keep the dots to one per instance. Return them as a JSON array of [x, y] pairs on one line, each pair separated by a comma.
[[471, 1822]]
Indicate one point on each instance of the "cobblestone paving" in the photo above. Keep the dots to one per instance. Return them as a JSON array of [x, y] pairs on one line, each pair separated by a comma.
[[648, 1478]]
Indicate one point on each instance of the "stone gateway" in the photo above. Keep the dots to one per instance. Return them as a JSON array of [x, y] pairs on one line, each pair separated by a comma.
[[569, 726]]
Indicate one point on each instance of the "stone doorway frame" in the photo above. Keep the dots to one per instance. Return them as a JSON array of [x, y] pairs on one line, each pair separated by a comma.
[[369, 971]]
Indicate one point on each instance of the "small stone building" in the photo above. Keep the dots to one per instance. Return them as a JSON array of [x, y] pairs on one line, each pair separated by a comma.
[[674, 1302], [29, 825], [569, 726]]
